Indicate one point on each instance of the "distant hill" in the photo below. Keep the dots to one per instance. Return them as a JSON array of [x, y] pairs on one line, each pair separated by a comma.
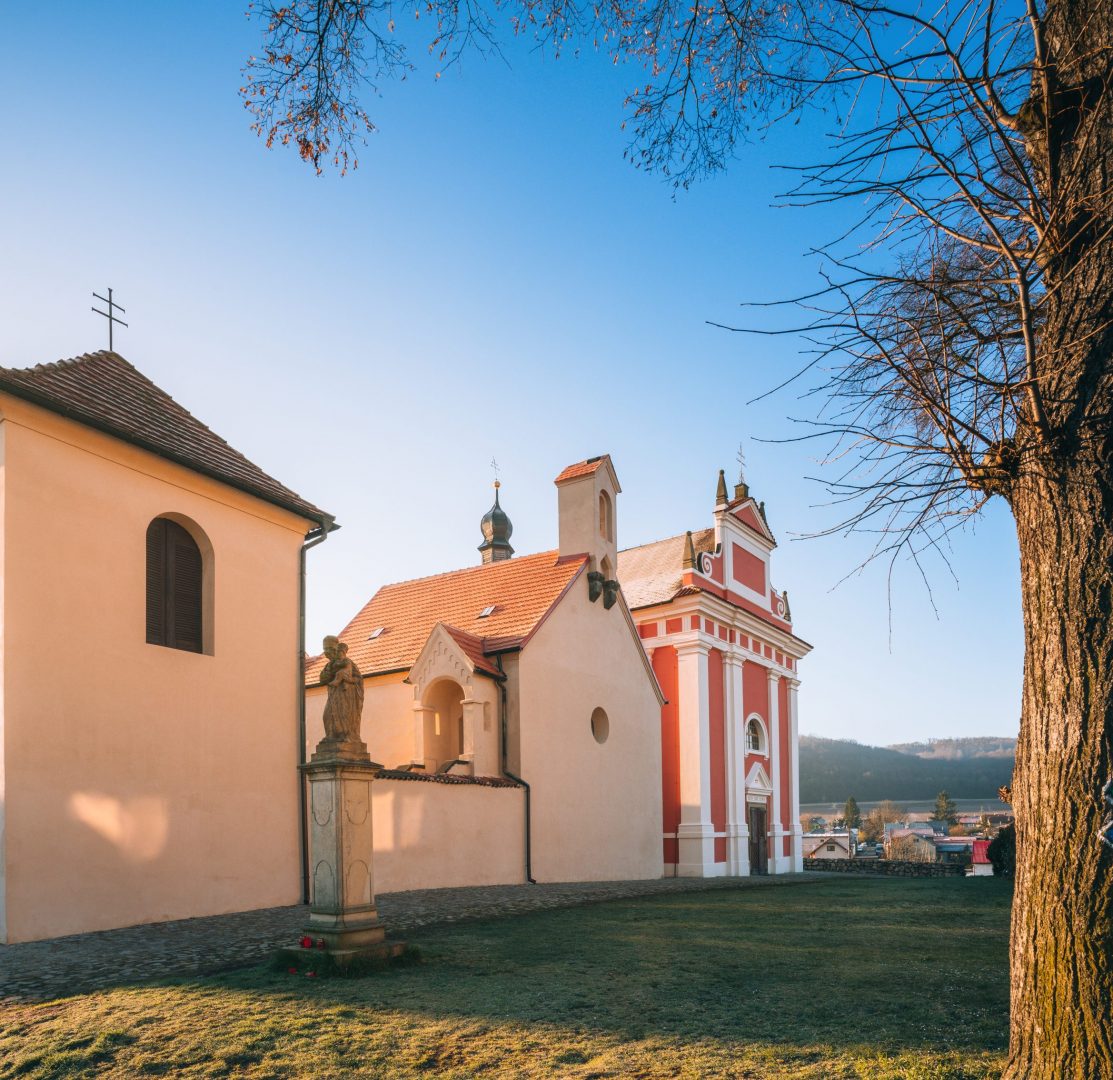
[[960, 749], [832, 769]]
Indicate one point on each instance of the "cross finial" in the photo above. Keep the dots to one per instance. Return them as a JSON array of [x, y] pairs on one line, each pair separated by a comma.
[[109, 314], [495, 468], [741, 458]]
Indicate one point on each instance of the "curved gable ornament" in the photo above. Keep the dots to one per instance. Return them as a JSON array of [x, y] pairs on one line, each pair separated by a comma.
[[440, 658]]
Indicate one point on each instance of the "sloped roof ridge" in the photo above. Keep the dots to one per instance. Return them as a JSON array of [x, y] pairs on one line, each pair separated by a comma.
[[517, 559], [109, 412]]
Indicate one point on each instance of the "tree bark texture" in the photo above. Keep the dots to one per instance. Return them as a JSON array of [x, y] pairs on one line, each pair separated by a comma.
[[1062, 919], [1062, 499]]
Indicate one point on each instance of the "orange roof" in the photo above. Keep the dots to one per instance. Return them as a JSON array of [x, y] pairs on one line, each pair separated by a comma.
[[582, 468], [472, 648], [522, 591]]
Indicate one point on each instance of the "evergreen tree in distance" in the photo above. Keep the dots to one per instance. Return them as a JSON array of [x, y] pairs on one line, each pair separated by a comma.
[[945, 808], [851, 814]]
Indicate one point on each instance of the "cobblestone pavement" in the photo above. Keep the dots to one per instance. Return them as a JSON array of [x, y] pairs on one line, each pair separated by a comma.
[[42, 970]]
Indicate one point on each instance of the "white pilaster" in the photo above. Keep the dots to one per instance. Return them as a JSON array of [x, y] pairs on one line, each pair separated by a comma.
[[794, 750], [473, 747], [779, 863], [695, 833], [421, 713], [738, 833]]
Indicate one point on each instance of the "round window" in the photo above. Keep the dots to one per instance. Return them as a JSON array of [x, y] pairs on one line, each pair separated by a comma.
[[600, 726]]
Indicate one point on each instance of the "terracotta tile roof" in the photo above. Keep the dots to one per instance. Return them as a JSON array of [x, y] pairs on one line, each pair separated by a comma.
[[521, 590], [582, 468], [651, 574], [473, 650], [104, 391]]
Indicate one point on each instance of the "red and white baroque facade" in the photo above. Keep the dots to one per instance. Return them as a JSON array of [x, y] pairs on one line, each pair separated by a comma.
[[721, 642]]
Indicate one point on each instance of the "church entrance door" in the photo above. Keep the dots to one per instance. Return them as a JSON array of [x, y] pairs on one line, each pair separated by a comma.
[[759, 844]]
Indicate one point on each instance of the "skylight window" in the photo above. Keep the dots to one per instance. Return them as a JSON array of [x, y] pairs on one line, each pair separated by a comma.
[[377, 632], [488, 611]]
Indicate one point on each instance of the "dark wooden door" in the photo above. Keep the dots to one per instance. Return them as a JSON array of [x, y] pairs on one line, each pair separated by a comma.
[[759, 844]]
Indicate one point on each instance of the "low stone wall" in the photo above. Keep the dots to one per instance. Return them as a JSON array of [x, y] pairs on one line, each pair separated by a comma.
[[890, 867], [429, 834]]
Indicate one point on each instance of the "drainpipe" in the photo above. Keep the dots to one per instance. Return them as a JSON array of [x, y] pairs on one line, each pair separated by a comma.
[[509, 775], [312, 539]]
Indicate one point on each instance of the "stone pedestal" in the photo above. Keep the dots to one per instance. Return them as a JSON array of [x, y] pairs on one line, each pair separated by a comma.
[[342, 910]]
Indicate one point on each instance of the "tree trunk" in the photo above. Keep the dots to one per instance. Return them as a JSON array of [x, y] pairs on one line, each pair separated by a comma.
[[1062, 919]]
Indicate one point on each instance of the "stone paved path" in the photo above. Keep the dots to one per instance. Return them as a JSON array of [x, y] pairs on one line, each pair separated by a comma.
[[42, 970]]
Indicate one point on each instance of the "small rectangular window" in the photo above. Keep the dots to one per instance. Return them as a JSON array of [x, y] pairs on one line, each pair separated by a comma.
[[377, 632], [487, 611]]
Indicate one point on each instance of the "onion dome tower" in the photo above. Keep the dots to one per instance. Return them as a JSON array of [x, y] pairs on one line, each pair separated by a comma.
[[496, 529]]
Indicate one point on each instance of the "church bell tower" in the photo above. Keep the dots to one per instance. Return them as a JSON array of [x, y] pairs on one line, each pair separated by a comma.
[[496, 528]]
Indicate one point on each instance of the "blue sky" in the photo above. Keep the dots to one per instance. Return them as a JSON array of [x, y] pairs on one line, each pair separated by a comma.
[[494, 280]]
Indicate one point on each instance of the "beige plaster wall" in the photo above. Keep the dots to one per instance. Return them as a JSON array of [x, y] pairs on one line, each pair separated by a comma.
[[141, 783], [596, 808], [434, 836], [388, 721]]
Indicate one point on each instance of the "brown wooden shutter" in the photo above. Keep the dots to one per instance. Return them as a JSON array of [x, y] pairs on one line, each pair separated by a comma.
[[156, 582], [185, 587], [174, 572]]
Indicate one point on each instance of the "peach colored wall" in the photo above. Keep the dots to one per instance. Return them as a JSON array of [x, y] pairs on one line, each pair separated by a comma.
[[142, 783], [596, 808], [435, 836], [388, 721]]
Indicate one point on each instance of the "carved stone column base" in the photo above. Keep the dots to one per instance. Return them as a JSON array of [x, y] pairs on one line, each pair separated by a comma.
[[343, 921]]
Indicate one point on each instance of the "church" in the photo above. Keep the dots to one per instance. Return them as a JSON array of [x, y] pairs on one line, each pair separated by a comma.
[[722, 646], [151, 585], [514, 708], [581, 713], [521, 671]]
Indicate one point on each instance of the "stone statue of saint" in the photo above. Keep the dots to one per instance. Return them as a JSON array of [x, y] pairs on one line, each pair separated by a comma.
[[344, 709]]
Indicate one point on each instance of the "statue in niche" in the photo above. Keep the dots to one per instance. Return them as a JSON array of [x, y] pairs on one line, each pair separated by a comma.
[[344, 709]]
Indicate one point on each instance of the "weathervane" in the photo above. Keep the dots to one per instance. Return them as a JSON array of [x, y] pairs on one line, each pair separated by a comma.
[[109, 314]]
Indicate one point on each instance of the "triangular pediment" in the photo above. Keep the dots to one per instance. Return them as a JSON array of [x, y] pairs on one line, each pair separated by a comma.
[[757, 780], [746, 512], [450, 653]]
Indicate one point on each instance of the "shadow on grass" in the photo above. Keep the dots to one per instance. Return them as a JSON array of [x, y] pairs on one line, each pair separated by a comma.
[[873, 978], [914, 964]]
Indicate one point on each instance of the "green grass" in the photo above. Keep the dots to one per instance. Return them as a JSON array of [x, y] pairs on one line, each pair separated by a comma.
[[859, 978]]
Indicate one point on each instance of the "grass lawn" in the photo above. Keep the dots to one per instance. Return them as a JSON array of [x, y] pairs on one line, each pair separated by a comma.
[[855, 978]]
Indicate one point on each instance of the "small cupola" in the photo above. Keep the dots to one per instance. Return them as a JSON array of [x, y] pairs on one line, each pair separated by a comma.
[[496, 528]]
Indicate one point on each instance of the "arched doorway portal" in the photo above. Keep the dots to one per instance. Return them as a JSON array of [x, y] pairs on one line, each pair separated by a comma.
[[444, 723]]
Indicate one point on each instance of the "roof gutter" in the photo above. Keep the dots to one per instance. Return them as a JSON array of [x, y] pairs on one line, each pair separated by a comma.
[[312, 539]]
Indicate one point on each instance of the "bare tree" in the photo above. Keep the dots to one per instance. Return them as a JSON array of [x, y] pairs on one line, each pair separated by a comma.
[[964, 330]]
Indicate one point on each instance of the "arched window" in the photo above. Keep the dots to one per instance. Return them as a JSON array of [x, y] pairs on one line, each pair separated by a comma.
[[755, 736], [606, 523], [174, 587]]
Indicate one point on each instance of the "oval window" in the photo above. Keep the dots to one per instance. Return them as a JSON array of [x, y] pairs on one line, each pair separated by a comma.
[[600, 726]]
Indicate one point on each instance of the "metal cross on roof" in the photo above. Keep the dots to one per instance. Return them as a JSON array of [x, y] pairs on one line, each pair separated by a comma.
[[495, 467], [741, 458], [109, 314]]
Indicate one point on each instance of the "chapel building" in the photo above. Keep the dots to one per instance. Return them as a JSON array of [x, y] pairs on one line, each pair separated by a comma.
[[514, 709], [722, 645], [150, 600]]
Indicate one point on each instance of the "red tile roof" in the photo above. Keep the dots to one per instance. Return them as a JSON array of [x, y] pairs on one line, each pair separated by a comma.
[[652, 573], [582, 468], [521, 590], [103, 391], [472, 647]]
